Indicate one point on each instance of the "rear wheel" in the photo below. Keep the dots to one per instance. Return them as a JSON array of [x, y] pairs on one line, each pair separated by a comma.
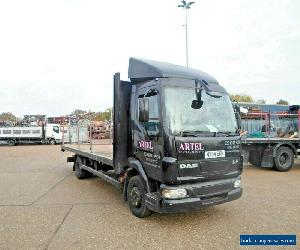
[[11, 142], [52, 142], [284, 159], [136, 191], [79, 172]]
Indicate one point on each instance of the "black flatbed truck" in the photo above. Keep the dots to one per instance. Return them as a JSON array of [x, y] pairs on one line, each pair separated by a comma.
[[176, 145], [277, 153]]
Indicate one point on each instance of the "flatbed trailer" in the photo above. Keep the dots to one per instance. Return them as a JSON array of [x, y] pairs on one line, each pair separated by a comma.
[[277, 153]]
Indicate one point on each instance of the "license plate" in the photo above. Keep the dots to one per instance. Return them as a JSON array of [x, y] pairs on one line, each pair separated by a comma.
[[214, 154]]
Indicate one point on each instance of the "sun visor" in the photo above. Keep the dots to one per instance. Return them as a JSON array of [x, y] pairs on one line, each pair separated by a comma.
[[142, 69]]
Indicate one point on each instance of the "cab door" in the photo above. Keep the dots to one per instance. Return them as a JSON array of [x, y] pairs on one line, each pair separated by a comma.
[[148, 131]]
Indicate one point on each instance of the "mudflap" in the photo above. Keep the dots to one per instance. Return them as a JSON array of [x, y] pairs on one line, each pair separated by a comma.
[[267, 159], [71, 159], [262, 157]]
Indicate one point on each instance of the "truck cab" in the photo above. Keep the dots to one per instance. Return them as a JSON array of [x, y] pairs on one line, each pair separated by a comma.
[[53, 133], [183, 137]]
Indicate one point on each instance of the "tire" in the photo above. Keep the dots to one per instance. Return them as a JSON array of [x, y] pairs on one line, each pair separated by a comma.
[[284, 159], [79, 172], [52, 142], [136, 191], [11, 143]]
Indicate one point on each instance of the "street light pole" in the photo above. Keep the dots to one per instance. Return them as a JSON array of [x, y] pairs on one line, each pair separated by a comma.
[[186, 39], [186, 5]]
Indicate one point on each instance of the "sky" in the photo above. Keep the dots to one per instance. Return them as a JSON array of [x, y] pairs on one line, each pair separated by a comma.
[[60, 55]]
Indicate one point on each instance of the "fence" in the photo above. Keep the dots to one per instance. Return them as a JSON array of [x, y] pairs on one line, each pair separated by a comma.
[[271, 125], [88, 134]]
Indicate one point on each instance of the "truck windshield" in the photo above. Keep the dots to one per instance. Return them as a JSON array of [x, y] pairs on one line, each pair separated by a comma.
[[216, 114]]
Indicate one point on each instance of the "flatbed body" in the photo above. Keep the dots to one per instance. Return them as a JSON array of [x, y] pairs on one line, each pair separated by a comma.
[[269, 140], [101, 153], [260, 143]]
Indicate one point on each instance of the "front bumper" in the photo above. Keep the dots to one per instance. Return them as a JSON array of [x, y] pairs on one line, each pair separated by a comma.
[[200, 195]]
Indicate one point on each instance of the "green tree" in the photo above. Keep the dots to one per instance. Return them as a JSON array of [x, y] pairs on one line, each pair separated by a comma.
[[282, 102], [241, 98], [78, 112], [103, 115], [8, 116]]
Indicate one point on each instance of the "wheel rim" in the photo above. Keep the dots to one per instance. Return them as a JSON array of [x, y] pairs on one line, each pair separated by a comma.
[[135, 197], [284, 159]]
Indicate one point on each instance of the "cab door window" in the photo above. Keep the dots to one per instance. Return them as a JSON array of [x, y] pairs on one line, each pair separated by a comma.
[[56, 129], [153, 123]]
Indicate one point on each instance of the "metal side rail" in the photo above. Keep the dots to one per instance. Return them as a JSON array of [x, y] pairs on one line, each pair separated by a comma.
[[102, 175]]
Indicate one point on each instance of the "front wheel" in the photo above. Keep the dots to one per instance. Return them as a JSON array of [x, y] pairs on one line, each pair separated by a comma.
[[284, 159], [136, 191]]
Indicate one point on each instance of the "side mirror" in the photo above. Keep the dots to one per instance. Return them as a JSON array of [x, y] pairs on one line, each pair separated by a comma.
[[143, 109], [197, 104], [243, 110]]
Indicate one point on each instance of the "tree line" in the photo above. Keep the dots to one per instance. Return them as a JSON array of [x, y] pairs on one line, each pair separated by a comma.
[[250, 99], [95, 116], [8, 116]]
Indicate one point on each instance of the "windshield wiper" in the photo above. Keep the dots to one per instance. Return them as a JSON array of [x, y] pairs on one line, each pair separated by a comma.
[[226, 134], [186, 133]]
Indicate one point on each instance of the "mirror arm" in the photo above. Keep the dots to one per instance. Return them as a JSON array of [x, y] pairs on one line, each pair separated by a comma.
[[239, 120]]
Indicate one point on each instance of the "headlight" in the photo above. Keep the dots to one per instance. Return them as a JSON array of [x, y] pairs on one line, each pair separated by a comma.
[[178, 193], [237, 183]]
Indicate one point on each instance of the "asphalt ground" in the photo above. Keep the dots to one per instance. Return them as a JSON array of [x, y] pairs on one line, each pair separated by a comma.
[[44, 206]]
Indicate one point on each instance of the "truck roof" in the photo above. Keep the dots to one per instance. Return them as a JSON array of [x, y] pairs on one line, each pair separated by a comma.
[[143, 69]]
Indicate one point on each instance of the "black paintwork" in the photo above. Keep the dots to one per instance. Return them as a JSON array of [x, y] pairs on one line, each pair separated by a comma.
[[163, 161]]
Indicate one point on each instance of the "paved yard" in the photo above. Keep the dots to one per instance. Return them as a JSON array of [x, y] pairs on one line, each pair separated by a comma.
[[44, 206]]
